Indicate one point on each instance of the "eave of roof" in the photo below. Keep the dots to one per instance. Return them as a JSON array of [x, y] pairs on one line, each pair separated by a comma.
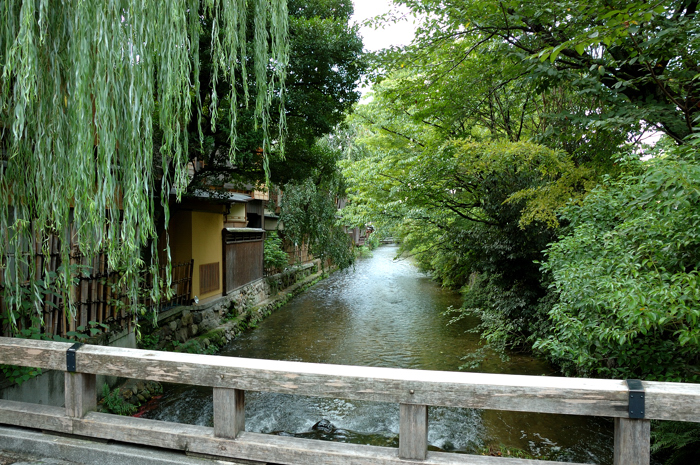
[[244, 229], [216, 195]]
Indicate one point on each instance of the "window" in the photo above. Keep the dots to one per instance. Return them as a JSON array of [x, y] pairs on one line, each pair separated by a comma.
[[208, 277]]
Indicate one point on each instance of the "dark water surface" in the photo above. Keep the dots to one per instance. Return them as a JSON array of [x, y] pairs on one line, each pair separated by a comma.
[[387, 313]]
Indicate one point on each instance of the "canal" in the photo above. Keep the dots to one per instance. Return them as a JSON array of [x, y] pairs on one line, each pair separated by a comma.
[[387, 313]]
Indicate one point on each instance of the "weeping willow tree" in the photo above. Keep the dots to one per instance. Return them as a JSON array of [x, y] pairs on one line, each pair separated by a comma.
[[86, 85]]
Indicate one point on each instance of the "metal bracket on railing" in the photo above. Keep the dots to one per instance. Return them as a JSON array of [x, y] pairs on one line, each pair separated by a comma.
[[636, 398], [70, 356]]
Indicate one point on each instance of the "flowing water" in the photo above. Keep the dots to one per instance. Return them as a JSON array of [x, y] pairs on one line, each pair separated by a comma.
[[387, 313]]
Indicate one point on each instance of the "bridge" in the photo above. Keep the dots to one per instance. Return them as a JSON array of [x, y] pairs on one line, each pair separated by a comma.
[[630, 403]]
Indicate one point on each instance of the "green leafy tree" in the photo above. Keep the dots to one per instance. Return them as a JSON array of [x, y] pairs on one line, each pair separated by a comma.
[[309, 217], [274, 256], [325, 65], [627, 277], [637, 60], [498, 97]]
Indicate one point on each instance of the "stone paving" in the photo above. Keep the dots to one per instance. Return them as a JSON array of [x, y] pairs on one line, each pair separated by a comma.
[[12, 458]]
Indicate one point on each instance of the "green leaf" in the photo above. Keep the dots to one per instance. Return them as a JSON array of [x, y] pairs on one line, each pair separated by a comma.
[[556, 51]]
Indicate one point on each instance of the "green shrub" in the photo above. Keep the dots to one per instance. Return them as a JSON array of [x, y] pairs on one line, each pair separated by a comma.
[[150, 341], [372, 241], [675, 442], [275, 258], [114, 403], [627, 277], [363, 252]]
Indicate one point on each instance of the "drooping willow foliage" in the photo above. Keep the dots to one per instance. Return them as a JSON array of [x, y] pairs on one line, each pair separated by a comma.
[[86, 86]]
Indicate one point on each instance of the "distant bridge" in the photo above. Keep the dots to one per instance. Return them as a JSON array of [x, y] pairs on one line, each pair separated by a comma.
[[632, 404]]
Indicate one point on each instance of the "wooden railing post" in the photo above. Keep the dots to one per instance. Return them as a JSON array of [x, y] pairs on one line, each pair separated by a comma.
[[229, 412], [632, 442], [80, 394], [413, 431]]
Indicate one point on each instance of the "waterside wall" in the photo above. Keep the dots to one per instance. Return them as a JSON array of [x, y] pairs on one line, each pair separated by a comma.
[[206, 327]]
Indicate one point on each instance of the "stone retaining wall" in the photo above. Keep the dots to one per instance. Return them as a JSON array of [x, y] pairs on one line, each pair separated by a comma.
[[196, 329], [215, 323]]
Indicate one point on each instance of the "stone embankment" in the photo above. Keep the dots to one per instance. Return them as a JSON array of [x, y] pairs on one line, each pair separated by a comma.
[[205, 329]]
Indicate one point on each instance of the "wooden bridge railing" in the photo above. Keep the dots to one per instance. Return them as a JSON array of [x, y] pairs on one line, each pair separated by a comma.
[[414, 390]]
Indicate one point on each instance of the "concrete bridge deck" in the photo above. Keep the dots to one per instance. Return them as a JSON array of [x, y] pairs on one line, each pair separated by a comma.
[[20, 446]]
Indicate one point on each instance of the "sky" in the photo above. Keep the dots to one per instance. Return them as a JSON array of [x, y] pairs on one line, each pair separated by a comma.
[[400, 33], [397, 34]]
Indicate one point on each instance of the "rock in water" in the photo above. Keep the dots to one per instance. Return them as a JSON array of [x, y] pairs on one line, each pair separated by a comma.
[[324, 425]]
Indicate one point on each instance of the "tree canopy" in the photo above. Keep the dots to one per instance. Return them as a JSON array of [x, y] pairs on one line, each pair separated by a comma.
[[324, 66], [627, 276], [638, 59], [505, 147]]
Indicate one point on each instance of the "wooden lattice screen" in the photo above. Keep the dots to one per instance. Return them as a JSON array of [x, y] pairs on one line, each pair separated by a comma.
[[208, 277], [98, 296], [243, 257]]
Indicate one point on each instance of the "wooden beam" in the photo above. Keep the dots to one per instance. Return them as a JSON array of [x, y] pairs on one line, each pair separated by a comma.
[[450, 389], [201, 440], [413, 431], [80, 394], [672, 401], [41, 354], [26, 415], [265, 447], [632, 442], [438, 388], [229, 412], [545, 394]]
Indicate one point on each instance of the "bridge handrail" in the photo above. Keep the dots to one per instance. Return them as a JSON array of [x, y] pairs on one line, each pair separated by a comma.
[[414, 390]]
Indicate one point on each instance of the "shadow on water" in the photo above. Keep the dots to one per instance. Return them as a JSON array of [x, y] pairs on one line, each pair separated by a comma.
[[387, 313]]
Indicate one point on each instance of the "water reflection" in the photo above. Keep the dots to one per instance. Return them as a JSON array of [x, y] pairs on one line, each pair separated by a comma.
[[387, 313]]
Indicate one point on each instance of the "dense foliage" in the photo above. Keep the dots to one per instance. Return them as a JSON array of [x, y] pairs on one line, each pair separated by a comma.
[[636, 60], [325, 63], [309, 217], [626, 277], [274, 257], [505, 148]]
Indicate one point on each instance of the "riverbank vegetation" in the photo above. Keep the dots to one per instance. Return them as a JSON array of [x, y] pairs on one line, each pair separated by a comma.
[[509, 148]]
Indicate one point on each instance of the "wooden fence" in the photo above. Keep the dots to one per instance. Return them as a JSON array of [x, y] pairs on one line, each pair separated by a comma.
[[414, 390], [98, 296], [242, 257]]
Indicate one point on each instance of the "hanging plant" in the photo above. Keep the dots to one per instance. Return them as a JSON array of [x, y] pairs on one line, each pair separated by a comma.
[[86, 86]]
